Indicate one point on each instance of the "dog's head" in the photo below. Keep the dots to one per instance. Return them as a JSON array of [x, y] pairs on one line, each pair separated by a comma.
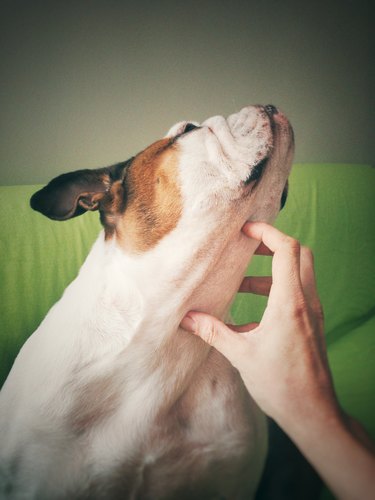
[[231, 169]]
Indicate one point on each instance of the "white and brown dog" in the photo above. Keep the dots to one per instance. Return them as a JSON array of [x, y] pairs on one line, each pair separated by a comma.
[[109, 398]]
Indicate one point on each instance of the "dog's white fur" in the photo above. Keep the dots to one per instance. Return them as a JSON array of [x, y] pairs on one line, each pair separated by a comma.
[[109, 398]]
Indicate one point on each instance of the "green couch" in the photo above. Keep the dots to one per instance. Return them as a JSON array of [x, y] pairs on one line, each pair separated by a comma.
[[331, 208]]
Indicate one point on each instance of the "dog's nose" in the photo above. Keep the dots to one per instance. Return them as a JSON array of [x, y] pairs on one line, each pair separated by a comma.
[[270, 109]]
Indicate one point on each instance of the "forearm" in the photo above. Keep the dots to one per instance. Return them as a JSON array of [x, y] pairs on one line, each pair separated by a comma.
[[344, 463]]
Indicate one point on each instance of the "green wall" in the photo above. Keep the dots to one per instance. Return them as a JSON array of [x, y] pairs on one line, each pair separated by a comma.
[[89, 83]]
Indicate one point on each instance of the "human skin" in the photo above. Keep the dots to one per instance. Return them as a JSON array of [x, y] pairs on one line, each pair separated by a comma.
[[283, 363]]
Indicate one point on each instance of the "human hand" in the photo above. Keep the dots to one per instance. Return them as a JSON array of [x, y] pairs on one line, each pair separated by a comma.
[[283, 363], [282, 360]]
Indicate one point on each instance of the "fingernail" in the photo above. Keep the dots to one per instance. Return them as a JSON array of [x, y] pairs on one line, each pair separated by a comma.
[[188, 323]]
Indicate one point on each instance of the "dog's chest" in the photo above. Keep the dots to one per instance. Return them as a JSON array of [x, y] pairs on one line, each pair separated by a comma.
[[177, 445]]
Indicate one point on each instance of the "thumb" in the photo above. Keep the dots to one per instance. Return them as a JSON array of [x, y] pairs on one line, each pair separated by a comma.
[[213, 331]]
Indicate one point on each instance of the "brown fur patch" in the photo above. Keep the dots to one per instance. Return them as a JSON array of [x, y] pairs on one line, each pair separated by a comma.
[[95, 401], [154, 202]]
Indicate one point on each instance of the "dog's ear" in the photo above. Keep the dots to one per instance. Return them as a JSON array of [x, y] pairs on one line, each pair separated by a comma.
[[72, 194]]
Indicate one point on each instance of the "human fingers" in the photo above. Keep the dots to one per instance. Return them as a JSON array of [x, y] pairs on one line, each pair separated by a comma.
[[215, 333], [260, 285], [262, 249], [286, 259]]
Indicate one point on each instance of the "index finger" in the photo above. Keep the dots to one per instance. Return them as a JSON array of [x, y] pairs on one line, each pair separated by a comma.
[[271, 237], [286, 259]]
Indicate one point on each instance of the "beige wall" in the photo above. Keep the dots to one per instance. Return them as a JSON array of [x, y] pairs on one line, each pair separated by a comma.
[[89, 83]]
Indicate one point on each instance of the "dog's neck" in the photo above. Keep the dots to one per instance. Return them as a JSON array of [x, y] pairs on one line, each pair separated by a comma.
[[134, 304], [129, 295]]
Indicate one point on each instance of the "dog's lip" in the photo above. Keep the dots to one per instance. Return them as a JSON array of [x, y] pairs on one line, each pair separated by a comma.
[[257, 171]]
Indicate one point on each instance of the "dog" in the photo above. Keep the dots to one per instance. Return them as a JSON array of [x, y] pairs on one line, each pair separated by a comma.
[[109, 398]]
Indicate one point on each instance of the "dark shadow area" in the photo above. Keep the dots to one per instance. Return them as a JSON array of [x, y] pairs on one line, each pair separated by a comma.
[[287, 474]]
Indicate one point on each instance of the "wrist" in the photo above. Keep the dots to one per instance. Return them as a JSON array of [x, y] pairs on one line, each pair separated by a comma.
[[303, 421], [334, 449]]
